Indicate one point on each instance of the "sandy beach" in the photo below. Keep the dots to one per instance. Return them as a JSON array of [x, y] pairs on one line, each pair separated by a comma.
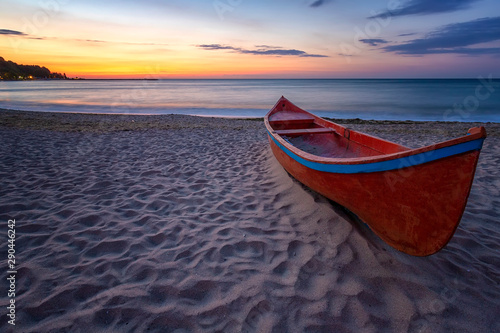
[[188, 224]]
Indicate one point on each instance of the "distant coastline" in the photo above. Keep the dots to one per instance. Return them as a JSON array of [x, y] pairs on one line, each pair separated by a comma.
[[11, 71]]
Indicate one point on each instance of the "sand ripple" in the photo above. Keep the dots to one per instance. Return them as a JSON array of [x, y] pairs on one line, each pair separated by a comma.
[[202, 231]]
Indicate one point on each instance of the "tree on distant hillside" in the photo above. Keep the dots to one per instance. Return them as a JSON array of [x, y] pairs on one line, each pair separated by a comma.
[[9, 70]]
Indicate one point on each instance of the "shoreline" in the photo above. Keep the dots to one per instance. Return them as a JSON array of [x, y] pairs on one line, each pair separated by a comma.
[[104, 123]]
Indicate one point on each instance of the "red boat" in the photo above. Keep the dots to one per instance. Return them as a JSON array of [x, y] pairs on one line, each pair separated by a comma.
[[411, 198]]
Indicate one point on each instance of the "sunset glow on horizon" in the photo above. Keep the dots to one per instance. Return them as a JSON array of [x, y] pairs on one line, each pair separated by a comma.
[[254, 39]]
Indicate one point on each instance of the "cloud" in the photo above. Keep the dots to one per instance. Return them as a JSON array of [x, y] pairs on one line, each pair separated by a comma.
[[91, 40], [268, 46], [263, 50], [11, 32], [99, 41], [8, 32], [215, 47], [476, 51], [454, 38], [318, 3], [21, 34], [373, 41], [346, 55], [424, 7]]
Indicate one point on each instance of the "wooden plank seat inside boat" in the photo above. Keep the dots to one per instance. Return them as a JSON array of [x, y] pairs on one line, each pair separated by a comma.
[[301, 131], [292, 124], [289, 120], [298, 125]]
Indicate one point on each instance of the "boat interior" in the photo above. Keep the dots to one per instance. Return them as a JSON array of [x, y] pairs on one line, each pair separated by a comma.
[[326, 139]]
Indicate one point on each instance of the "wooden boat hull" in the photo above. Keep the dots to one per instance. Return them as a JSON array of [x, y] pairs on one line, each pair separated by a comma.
[[412, 199]]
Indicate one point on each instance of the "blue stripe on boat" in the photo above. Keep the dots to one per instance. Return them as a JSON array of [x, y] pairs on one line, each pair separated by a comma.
[[395, 164]]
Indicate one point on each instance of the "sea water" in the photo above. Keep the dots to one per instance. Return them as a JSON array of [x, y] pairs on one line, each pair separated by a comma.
[[379, 99]]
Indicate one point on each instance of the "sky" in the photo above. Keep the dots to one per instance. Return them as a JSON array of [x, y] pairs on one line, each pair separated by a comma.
[[254, 38]]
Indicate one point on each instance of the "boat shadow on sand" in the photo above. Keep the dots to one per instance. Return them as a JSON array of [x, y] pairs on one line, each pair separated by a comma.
[[358, 225]]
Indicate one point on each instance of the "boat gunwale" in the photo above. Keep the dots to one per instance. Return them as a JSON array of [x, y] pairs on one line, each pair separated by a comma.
[[473, 134]]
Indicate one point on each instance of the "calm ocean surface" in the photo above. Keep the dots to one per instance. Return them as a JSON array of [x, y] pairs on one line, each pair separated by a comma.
[[396, 99]]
